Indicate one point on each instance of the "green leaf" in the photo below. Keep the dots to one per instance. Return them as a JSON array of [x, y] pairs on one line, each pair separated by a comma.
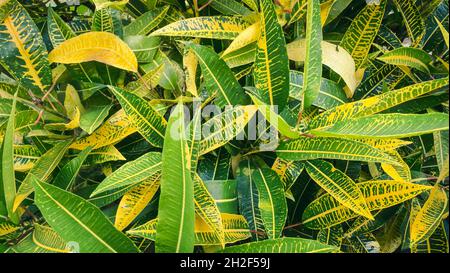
[[7, 172], [131, 173], [41, 170], [271, 70], [412, 57], [94, 117], [283, 245], [148, 122], [58, 30], [415, 25], [359, 36], [387, 126], [66, 177], [338, 185], [175, 230], [220, 81], [325, 211], [107, 20], [77, 220], [313, 55], [271, 203], [375, 104], [145, 23], [22, 50], [305, 148]]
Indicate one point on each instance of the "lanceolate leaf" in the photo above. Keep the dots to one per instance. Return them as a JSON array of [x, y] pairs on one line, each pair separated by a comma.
[[7, 168], [58, 30], [224, 127], [338, 185], [22, 50], [46, 238], [415, 25], [272, 202], [145, 23], [175, 230], [249, 198], [283, 245], [376, 104], [206, 208], [69, 172], [313, 54], [76, 220], [364, 28], [147, 121], [388, 126], [412, 57], [305, 148], [436, 243], [135, 200], [430, 216], [131, 173], [271, 71], [235, 229], [113, 130], [325, 211], [218, 77], [41, 170], [214, 27], [95, 46]]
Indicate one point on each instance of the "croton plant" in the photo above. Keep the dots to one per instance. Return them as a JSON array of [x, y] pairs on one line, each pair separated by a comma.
[[224, 126]]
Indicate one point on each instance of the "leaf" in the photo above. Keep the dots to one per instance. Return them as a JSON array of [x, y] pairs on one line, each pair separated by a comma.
[[41, 170], [94, 117], [313, 55], [147, 121], [66, 177], [282, 245], [413, 20], [225, 127], [388, 126], [97, 46], [145, 23], [212, 27], [131, 173], [218, 77], [298, 11], [325, 211], [249, 199], [58, 30], [175, 230], [430, 216], [407, 56], [288, 171], [271, 203], [7, 168], [305, 148], [436, 243], [443, 31], [104, 154], [113, 130], [359, 36], [271, 70], [135, 201], [247, 37], [335, 57], [331, 236], [76, 220], [7, 228], [207, 209], [375, 104], [46, 238], [330, 93], [25, 156], [235, 229], [338, 185], [107, 20], [23, 53]]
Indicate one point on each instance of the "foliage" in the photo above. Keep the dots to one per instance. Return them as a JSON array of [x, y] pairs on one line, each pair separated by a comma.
[[224, 126]]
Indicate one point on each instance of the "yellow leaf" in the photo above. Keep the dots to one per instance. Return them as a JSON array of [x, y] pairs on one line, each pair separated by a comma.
[[97, 46], [333, 56]]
